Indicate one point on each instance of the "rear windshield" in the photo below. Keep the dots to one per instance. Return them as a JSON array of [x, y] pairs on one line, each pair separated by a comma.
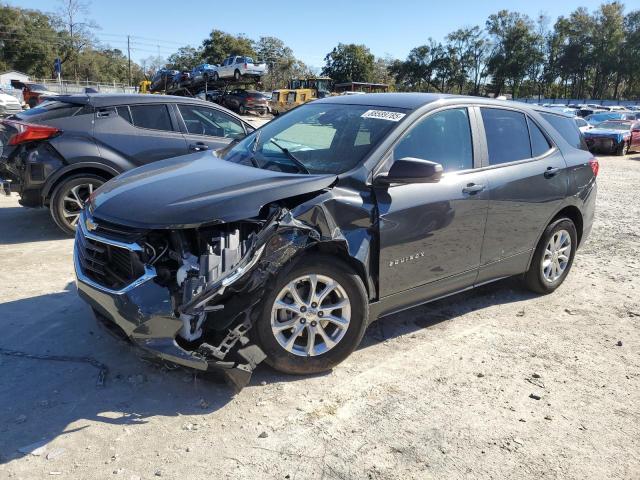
[[566, 127], [51, 110]]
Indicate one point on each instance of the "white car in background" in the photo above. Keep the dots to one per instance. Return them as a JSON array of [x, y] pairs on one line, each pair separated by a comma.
[[9, 104], [582, 124], [238, 67]]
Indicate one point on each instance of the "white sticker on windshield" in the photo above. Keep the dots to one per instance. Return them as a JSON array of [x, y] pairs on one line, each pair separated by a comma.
[[383, 115]]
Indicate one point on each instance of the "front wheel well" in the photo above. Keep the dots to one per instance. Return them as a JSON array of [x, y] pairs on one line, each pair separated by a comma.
[[573, 213], [73, 173], [338, 251]]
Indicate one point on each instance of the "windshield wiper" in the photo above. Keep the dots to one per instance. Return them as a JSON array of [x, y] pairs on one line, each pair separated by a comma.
[[291, 157], [254, 147]]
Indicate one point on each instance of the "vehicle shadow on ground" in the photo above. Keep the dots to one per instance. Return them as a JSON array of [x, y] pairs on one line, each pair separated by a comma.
[[60, 397], [42, 399], [20, 225]]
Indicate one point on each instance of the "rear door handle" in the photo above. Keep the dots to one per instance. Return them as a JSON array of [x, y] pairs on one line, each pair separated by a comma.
[[198, 147], [551, 172], [473, 188]]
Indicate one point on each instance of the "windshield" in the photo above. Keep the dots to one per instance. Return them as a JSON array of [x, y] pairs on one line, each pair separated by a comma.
[[615, 125], [316, 138]]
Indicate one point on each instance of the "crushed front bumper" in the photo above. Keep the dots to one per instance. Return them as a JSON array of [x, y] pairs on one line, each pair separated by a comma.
[[143, 311]]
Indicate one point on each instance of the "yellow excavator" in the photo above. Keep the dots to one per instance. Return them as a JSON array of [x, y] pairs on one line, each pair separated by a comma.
[[299, 91]]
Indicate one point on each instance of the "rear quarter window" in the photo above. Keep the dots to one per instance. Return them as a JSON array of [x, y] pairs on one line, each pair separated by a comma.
[[567, 128], [53, 110]]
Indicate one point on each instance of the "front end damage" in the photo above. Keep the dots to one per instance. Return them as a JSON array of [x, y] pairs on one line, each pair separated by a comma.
[[191, 296]]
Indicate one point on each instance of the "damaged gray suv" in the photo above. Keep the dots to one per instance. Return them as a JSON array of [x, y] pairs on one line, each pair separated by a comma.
[[284, 245]]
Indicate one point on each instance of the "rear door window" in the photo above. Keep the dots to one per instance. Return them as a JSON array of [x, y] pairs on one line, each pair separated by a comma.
[[507, 135], [567, 128], [154, 117]]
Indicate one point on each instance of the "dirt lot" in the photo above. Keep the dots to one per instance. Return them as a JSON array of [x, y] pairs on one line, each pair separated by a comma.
[[440, 391]]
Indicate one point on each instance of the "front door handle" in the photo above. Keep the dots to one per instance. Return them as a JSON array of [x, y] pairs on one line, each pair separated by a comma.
[[198, 147], [473, 188], [551, 172]]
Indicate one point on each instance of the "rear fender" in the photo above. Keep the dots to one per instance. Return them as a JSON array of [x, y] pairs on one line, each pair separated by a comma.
[[95, 168]]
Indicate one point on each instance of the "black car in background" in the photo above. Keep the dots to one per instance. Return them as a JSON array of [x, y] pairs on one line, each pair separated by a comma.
[[243, 101], [56, 154], [285, 245]]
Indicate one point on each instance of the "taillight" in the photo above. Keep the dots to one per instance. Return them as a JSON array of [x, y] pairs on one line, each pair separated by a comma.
[[29, 132], [595, 166]]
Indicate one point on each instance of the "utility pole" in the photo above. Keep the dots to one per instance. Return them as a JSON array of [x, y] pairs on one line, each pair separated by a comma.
[[129, 56]]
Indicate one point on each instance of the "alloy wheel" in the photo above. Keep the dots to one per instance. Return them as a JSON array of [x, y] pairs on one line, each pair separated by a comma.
[[73, 202], [556, 256], [310, 315]]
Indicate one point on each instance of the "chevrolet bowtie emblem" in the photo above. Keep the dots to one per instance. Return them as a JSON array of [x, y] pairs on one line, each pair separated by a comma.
[[90, 224]]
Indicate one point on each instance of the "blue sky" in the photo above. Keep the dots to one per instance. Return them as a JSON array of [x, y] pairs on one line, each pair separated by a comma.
[[310, 28]]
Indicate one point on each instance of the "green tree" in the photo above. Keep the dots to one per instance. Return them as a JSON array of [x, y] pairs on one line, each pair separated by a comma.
[[349, 63], [630, 58], [422, 68], [279, 59], [28, 41], [75, 29], [185, 58], [514, 49], [608, 48], [219, 45]]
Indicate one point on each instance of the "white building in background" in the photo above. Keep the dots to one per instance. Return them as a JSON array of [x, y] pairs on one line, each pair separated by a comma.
[[6, 77]]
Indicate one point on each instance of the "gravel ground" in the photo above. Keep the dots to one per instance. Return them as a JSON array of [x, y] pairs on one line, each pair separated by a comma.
[[493, 383]]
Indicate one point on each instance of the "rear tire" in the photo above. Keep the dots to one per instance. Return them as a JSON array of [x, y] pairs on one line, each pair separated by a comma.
[[242, 110], [236, 75], [215, 76], [553, 257], [68, 199], [334, 333]]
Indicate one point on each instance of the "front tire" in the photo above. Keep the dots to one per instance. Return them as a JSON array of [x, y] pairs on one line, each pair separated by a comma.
[[69, 197], [242, 110], [623, 149], [216, 77], [314, 316], [553, 257]]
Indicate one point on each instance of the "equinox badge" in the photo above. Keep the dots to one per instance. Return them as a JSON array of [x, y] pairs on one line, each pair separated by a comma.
[[409, 258]]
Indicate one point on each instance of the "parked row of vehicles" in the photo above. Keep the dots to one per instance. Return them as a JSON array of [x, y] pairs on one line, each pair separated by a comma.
[[216, 246], [611, 129]]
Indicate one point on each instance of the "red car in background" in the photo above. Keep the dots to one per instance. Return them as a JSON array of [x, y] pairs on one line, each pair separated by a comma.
[[33, 93]]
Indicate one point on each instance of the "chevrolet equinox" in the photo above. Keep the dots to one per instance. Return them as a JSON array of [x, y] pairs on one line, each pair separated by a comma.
[[285, 245]]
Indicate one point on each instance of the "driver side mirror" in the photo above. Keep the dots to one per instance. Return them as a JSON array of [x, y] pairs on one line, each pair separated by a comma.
[[411, 170]]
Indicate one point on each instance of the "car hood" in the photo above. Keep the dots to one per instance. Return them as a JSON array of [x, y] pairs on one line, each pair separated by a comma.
[[196, 189]]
